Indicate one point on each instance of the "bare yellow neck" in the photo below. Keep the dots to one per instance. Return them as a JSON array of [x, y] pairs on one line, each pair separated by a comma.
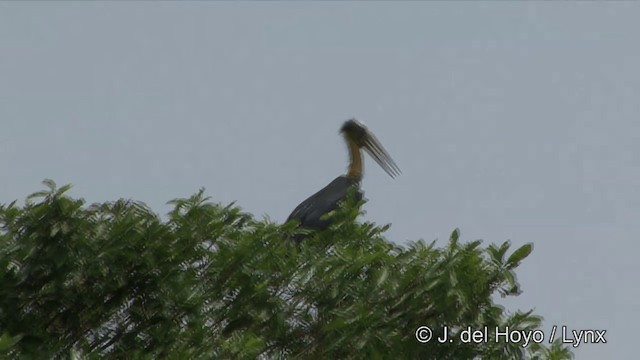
[[355, 164]]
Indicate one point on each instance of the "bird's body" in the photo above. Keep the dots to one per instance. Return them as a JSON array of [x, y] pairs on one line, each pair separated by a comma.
[[310, 212]]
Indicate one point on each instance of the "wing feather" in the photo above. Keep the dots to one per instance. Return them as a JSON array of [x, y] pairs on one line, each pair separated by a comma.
[[310, 211]]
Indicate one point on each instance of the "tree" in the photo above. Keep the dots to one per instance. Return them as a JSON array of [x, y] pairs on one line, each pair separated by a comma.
[[115, 280]]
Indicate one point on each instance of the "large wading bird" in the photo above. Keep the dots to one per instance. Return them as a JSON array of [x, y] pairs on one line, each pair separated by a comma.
[[310, 212]]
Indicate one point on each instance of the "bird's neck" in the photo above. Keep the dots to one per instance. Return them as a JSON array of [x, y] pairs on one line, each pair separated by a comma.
[[355, 164]]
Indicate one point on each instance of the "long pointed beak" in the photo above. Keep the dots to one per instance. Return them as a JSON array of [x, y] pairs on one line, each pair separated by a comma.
[[373, 147]]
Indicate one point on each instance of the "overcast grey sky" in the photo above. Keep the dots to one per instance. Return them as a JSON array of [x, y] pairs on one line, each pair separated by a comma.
[[509, 120]]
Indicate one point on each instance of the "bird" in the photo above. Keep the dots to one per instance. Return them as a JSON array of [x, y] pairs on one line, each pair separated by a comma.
[[357, 136]]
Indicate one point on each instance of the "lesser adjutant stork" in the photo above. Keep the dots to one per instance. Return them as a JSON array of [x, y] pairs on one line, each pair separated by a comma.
[[310, 212]]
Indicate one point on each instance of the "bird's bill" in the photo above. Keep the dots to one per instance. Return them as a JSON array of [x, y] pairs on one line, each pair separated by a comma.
[[373, 147]]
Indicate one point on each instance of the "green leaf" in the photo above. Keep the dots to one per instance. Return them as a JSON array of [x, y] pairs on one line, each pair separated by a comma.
[[50, 184], [382, 277], [519, 254], [7, 342], [455, 235]]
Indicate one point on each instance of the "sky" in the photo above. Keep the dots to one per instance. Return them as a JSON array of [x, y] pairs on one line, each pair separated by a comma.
[[510, 121]]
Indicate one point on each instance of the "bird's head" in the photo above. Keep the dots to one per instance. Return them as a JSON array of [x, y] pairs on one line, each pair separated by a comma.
[[355, 132]]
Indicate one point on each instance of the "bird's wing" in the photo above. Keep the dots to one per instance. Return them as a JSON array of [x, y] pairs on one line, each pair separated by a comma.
[[310, 211]]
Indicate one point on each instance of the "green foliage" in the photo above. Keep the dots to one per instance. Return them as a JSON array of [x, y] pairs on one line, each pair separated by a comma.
[[114, 280]]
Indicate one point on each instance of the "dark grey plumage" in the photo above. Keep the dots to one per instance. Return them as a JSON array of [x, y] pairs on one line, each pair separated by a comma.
[[309, 213]]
